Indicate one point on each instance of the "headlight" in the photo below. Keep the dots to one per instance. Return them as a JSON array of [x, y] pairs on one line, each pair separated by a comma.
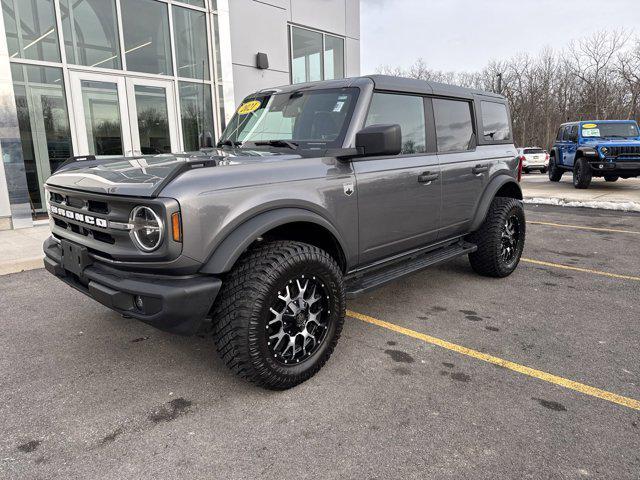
[[147, 229], [604, 150]]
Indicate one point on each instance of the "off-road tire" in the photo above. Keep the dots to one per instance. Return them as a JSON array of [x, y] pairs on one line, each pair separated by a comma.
[[241, 312], [611, 178], [487, 260], [555, 173], [581, 174]]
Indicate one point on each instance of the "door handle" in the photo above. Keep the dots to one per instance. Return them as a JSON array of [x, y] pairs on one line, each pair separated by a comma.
[[427, 177], [480, 169]]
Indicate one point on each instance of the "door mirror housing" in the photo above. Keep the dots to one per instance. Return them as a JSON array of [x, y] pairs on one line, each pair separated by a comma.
[[379, 140]]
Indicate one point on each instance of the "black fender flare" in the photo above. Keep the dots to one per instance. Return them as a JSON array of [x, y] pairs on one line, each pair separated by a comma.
[[227, 252], [489, 194], [587, 152]]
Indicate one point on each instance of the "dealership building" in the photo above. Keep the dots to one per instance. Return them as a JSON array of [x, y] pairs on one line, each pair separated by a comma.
[[143, 77]]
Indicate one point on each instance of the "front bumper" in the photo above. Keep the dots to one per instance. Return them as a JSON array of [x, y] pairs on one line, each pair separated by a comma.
[[174, 304], [621, 168]]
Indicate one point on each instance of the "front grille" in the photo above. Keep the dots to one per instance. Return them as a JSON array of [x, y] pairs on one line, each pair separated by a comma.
[[624, 152], [100, 222]]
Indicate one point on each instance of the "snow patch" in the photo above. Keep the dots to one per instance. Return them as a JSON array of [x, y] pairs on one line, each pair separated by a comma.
[[563, 202]]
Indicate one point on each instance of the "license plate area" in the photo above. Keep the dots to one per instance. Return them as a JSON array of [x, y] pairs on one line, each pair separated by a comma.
[[75, 258]]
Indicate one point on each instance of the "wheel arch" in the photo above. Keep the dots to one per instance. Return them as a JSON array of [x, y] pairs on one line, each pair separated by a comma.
[[500, 186], [280, 224]]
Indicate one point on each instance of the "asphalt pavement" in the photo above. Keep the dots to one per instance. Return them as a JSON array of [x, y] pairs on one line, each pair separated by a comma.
[[419, 394]]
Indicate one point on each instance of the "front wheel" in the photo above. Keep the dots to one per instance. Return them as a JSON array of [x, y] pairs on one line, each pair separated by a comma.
[[280, 313], [500, 239], [581, 174], [555, 173]]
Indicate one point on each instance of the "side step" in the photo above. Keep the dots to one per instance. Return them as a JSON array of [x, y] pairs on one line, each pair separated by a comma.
[[364, 282]]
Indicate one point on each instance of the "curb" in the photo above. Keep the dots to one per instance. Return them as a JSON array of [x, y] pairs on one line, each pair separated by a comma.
[[18, 266], [599, 204]]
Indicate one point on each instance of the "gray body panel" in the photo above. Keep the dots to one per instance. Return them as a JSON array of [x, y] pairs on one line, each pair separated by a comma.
[[230, 197]]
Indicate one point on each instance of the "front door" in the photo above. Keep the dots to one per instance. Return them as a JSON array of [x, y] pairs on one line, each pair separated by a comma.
[[118, 116], [399, 197]]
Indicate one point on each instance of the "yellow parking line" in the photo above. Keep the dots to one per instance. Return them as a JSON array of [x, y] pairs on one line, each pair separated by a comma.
[[578, 269], [582, 227], [516, 367]]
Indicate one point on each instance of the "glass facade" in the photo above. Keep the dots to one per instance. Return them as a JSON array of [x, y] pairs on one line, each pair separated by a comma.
[[143, 76]]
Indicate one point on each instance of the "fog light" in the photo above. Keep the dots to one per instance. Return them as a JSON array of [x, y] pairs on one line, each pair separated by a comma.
[[139, 302]]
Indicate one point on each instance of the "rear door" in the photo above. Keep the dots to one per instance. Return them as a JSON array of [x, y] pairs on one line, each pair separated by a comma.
[[399, 197], [464, 170], [571, 145]]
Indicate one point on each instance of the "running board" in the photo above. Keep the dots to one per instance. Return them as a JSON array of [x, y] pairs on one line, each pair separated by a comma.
[[364, 282]]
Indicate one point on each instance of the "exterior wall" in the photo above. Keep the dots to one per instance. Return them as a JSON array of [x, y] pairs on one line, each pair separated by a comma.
[[262, 26]]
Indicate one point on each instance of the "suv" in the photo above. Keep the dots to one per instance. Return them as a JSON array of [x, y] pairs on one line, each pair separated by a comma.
[[608, 148], [316, 192], [533, 158]]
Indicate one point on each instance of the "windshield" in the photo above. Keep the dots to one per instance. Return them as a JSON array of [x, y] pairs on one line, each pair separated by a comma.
[[602, 130], [315, 119]]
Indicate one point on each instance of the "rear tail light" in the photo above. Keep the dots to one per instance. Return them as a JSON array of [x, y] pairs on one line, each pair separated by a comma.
[[520, 162], [546, 157]]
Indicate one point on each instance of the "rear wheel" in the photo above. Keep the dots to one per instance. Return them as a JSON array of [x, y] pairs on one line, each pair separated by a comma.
[[280, 313], [555, 173], [611, 178], [581, 174], [500, 239]]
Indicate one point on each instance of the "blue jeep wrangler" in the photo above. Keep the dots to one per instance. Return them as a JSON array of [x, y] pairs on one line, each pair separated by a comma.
[[609, 149]]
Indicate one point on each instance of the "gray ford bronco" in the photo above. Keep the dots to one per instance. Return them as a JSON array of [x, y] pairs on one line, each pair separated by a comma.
[[315, 193]]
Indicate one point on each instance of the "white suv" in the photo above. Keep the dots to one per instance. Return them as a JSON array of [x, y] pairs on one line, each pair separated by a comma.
[[533, 158]]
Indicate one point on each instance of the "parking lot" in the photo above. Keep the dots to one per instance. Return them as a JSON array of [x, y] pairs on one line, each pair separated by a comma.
[[441, 375]]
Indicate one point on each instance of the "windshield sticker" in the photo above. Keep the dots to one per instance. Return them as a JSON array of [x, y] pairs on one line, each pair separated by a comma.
[[248, 107], [590, 132], [589, 125], [338, 107]]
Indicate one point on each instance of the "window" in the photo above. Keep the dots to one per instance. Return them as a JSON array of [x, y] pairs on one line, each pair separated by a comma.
[[559, 137], [333, 57], [145, 25], [315, 56], [405, 110], [43, 121], [313, 119], [190, 32], [532, 151], [571, 134], [454, 127], [31, 29], [196, 115], [495, 122], [90, 31]]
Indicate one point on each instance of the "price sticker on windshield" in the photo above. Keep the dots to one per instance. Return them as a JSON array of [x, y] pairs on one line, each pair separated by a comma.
[[248, 107], [590, 132]]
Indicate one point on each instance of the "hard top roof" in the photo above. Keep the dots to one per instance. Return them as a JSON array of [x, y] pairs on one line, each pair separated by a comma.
[[390, 83], [582, 122]]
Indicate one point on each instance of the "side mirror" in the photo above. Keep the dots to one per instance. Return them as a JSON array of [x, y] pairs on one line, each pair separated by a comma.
[[378, 140]]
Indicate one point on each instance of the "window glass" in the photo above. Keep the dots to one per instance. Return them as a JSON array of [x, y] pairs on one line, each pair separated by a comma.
[[145, 25], [573, 133], [31, 29], [312, 119], [43, 121], [196, 115], [333, 57], [190, 32], [90, 32], [197, 3], [530, 151], [495, 122], [153, 119], [102, 117], [306, 58], [405, 110], [454, 128]]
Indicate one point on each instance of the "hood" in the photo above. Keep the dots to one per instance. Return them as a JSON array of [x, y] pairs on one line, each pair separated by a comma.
[[146, 176], [613, 142]]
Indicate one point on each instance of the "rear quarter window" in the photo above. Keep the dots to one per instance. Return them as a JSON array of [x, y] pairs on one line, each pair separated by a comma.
[[495, 122]]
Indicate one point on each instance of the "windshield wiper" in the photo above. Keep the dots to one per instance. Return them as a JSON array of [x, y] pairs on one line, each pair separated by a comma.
[[229, 143], [278, 143]]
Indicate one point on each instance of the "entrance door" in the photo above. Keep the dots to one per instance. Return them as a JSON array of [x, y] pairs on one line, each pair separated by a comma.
[[118, 116]]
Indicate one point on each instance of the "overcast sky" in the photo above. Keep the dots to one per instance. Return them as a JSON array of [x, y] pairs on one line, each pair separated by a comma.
[[466, 34]]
